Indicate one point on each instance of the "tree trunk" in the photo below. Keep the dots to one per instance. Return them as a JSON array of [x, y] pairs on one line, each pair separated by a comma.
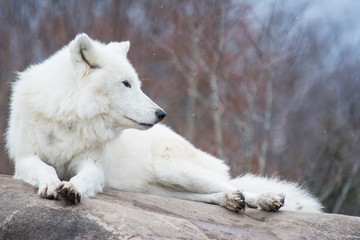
[[267, 124]]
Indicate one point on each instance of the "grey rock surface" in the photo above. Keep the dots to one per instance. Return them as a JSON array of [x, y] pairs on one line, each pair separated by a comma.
[[122, 215]]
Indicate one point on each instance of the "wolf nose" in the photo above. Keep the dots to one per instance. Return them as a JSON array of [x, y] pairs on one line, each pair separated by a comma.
[[160, 114]]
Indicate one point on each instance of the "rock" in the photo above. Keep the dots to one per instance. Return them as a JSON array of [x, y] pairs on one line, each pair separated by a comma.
[[122, 215]]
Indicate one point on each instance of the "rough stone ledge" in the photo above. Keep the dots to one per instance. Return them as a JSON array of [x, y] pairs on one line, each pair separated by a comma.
[[123, 215]]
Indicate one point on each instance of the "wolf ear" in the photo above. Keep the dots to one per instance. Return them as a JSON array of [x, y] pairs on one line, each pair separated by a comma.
[[120, 47], [82, 50]]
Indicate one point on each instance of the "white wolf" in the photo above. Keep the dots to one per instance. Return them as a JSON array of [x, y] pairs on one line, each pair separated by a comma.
[[79, 122]]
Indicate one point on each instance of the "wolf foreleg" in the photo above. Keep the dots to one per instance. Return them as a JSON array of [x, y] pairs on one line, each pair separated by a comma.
[[37, 173], [88, 181]]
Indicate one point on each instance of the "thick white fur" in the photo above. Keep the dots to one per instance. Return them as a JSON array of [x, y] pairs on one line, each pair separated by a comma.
[[75, 124]]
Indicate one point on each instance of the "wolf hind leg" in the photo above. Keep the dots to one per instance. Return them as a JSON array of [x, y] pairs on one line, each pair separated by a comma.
[[257, 187], [233, 201], [197, 185], [270, 202], [191, 179]]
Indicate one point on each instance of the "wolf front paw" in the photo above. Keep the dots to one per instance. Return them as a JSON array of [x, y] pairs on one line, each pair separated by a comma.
[[49, 189], [271, 202], [234, 201], [68, 192]]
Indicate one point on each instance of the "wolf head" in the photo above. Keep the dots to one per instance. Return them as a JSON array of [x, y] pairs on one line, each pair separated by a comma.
[[109, 84]]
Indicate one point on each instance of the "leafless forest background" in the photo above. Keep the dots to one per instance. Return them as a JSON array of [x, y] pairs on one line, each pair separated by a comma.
[[272, 87]]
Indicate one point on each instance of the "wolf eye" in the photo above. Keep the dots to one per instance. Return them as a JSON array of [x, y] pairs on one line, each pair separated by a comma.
[[126, 84]]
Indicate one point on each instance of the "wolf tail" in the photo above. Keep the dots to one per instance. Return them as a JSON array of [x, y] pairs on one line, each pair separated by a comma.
[[296, 197]]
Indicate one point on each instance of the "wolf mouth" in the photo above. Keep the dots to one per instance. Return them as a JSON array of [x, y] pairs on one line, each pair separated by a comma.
[[146, 125]]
